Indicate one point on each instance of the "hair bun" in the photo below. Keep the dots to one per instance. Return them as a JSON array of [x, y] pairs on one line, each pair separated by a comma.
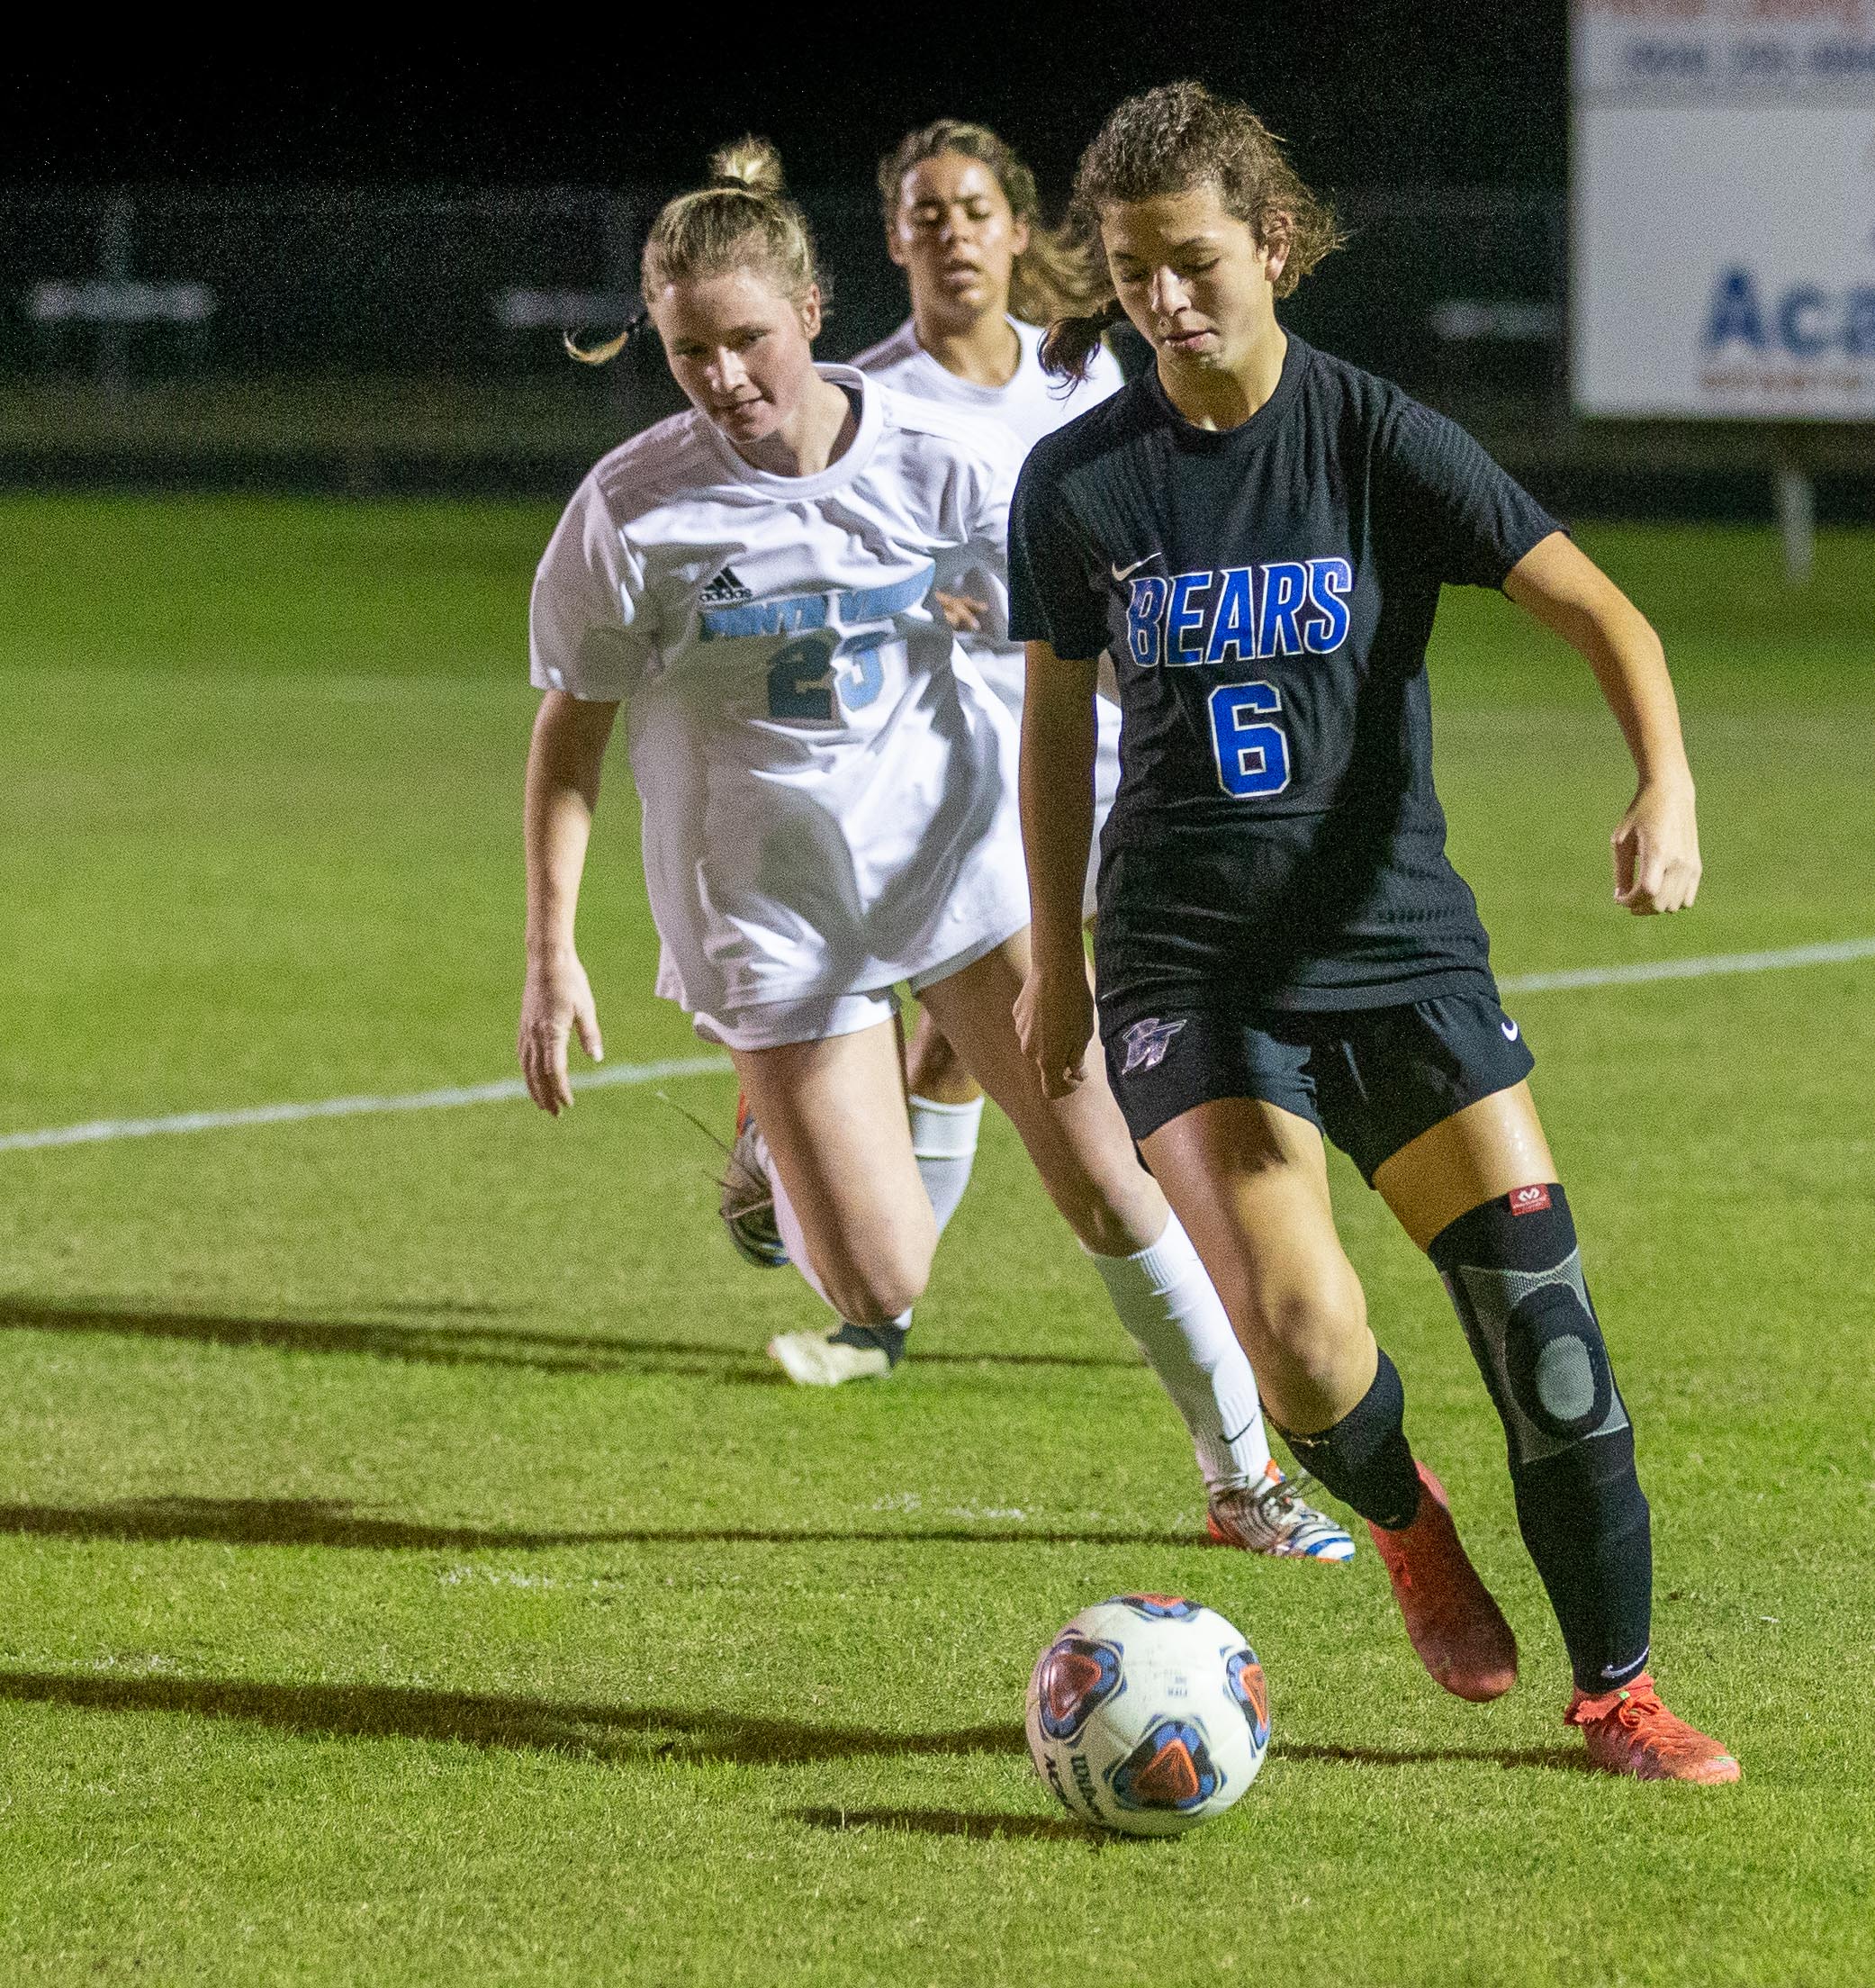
[[749, 163]]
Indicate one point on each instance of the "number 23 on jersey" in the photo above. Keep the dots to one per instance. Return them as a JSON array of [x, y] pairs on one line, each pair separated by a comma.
[[812, 679]]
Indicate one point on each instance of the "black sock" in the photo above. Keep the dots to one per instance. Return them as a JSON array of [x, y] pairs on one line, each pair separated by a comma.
[[889, 1338], [1363, 1458], [1515, 1276]]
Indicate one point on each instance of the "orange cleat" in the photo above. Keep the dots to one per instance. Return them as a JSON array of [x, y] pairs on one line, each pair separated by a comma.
[[1459, 1631], [1630, 1731]]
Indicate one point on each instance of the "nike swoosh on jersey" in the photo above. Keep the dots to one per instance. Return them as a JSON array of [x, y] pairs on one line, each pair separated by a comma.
[[1510, 1029], [1124, 573]]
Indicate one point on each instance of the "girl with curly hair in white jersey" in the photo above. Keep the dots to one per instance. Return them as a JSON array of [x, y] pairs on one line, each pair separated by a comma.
[[829, 810], [963, 220]]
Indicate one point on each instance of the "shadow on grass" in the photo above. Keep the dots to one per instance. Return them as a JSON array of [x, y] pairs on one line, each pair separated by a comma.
[[334, 1523], [448, 1343], [617, 1734], [1569, 1760], [625, 1735], [974, 1823]]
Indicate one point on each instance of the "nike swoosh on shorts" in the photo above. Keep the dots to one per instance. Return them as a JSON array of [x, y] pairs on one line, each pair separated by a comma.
[[1510, 1029]]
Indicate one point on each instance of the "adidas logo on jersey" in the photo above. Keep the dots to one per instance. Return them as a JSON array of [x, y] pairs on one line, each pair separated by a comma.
[[725, 590]]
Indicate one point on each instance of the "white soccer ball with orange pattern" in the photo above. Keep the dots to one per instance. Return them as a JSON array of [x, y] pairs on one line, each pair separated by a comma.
[[1149, 1714]]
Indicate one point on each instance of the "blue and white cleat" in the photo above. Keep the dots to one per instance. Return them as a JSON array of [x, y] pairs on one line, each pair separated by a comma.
[[1270, 1518], [747, 1206]]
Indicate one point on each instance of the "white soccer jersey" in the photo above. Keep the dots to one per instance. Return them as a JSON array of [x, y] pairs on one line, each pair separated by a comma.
[[828, 787], [1030, 405]]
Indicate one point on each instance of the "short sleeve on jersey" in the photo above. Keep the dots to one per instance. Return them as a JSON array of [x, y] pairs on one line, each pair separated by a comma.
[[1052, 597], [1472, 520], [585, 622]]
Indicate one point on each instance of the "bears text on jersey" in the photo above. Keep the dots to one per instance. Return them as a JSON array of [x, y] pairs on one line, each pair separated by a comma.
[[1238, 614]]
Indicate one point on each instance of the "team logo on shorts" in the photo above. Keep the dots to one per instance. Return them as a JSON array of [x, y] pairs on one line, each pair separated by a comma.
[[1147, 1043], [1077, 1676]]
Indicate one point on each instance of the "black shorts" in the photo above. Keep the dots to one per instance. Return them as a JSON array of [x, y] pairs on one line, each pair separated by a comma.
[[1372, 1079]]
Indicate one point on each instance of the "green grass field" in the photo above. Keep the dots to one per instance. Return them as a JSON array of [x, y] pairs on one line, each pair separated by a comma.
[[411, 1570]]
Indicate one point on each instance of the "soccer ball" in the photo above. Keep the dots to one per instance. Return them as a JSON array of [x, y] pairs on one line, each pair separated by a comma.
[[1148, 1715]]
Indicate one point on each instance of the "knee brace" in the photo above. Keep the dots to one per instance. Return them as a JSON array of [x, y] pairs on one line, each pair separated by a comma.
[[1516, 1282], [1515, 1278]]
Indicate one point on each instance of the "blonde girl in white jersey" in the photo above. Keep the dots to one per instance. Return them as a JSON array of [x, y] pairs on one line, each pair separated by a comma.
[[963, 220], [828, 806]]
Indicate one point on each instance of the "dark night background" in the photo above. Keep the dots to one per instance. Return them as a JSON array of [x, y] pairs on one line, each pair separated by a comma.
[[1368, 94], [360, 214]]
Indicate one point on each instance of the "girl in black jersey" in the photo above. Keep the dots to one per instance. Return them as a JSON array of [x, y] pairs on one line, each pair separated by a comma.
[[1256, 533]]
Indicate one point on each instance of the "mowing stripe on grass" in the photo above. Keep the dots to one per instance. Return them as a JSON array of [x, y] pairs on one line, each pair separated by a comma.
[[511, 1088]]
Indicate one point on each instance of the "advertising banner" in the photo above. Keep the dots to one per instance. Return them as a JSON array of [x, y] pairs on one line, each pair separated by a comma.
[[1723, 208]]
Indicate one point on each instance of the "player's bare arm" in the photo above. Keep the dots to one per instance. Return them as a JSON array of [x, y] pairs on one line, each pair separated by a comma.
[[1656, 844], [563, 766], [1054, 1011]]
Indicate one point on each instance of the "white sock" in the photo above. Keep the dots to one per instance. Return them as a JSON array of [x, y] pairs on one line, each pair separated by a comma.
[[944, 1144], [1166, 1303], [796, 1243]]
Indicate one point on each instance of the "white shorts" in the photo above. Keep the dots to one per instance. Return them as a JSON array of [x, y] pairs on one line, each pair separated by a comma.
[[815, 1017], [1003, 670], [1107, 784]]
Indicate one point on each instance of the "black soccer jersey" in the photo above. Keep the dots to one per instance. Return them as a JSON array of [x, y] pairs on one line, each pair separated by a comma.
[[1266, 594]]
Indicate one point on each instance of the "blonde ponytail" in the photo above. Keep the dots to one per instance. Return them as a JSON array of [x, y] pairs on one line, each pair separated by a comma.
[[750, 163], [597, 355], [742, 219]]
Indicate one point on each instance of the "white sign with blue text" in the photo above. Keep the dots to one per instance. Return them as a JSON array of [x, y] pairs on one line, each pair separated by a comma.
[[1723, 223]]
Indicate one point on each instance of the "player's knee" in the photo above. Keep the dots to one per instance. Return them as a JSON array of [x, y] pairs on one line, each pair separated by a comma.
[[1307, 1329], [1556, 1363], [1118, 1224], [1515, 1278], [878, 1288]]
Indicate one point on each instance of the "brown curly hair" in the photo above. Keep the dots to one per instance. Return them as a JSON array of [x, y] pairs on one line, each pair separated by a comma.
[[1168, 140], [1055, 273]]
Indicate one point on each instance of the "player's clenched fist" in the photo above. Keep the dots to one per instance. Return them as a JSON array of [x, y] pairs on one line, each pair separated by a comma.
[[1656, 850], [557, 1001], [1054, 1016]]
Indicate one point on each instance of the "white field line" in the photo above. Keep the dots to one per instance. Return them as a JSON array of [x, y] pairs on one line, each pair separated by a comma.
[[500, 1093], [1714, 963], [1830, 954]]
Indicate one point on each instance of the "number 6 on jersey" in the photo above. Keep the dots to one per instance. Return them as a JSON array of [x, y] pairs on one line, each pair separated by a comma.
[[1252, 756]]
